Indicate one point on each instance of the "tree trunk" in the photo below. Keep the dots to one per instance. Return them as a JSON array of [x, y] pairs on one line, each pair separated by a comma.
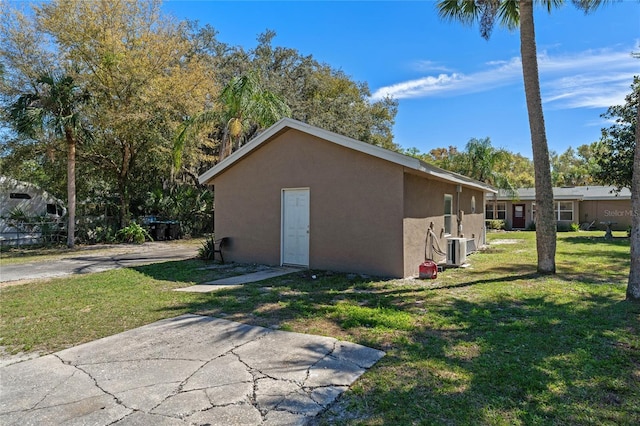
[[545, 217], [124, 204], [633, 287], [123, 178], [71, 188]]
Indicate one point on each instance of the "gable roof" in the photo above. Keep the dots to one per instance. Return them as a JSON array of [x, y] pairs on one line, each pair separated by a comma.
[[580, 193], [285, 124]]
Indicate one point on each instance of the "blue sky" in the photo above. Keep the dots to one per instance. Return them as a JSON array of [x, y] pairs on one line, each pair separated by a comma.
[[451, 84]]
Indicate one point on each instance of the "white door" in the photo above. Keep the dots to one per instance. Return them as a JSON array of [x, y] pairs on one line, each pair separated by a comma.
[[295, 227]]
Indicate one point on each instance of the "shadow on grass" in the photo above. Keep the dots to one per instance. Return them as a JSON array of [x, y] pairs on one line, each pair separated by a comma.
[[536, 358], [615, 241], [603, 253], [492, 360], [190, 270], [496, 275], [534, 361]]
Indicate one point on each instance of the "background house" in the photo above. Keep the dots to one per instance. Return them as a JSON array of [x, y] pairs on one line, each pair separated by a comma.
[[300, 195], [24, 208], [579, 204]]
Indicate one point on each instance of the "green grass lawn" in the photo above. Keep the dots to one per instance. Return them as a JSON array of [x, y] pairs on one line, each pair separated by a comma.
[[491, 344]]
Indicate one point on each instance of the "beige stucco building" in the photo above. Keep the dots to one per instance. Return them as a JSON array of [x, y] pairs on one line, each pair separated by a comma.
[[594, 205], [300, 195]]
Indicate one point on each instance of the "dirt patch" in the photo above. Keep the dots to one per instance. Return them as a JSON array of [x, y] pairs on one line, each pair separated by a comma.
[[505, 241]]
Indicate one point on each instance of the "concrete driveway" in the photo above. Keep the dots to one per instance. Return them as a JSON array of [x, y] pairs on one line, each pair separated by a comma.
[[189, 370], [84, 262]]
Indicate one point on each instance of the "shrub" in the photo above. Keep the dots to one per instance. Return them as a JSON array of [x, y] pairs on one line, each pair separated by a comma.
[[575, 227], [206, 252], [189, 205], [496, 224], [133, 233], [96, 229], [531, 226]]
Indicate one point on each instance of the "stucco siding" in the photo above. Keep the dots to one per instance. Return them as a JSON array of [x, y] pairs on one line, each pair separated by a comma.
[[355, 205], [424, 205], [617, 211]]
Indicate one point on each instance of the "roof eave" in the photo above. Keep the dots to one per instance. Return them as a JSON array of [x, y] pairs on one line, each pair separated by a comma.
[[376, 151]]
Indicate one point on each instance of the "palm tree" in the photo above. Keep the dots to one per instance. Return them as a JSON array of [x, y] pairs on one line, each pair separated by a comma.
[[55, 104], [245, 108], [480, 161], [514, 13]]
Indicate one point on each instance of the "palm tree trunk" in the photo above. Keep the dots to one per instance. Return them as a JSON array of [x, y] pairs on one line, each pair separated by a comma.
[[71, 188], [545, 218], [633, 287]]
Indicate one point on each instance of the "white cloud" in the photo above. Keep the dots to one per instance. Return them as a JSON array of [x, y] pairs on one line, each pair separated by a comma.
[[430, 66], [588, 90], [421, 87], [453, 84], [594, 79], [589, 79]]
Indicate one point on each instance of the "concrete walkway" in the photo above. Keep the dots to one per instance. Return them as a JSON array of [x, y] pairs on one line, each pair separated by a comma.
[[186, 370], [238, 280]]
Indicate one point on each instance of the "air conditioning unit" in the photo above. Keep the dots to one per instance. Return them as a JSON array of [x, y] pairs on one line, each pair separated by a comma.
[[456, 251]]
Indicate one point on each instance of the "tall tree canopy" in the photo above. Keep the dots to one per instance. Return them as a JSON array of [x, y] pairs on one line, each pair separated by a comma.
[[573, 167], [244, 108], [143, 77], [319, 94], [633, 286], [618, 155], [614, 152], [502, 168], [138, 67], [145, 74], [54, 106]]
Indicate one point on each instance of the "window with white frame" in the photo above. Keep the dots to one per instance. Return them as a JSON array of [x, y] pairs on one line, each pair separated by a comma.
[[500, 211], [448, 208], [533, 212], [563, 210]]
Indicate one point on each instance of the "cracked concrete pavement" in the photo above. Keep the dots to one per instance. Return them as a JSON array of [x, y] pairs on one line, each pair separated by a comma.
[[188, 370]]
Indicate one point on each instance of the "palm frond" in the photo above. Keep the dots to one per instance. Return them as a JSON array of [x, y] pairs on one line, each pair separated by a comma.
[[187, 129], [464, 11], [588, 5], [509, 14]]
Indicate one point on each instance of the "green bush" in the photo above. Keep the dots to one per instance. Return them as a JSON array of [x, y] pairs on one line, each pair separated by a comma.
[[96, 229], [189, 205], [496, 224], [206, 252], [575, 227], [133, 233], [531, 226]]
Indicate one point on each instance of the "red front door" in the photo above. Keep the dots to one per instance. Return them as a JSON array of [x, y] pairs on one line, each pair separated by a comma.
[[518, 216]]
